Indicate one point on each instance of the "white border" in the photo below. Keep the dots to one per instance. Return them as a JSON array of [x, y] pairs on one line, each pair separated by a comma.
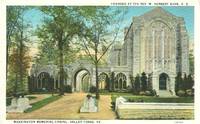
[[3, 4], [88, 2]]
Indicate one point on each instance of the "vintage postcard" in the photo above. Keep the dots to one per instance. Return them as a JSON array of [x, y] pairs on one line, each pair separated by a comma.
[[72, 62]]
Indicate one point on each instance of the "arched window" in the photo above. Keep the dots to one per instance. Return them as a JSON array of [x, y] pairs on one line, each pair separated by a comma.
[[162, 44], [120, 81], [103, 81]]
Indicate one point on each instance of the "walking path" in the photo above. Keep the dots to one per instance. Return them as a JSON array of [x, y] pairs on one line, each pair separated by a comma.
[[68, 108]]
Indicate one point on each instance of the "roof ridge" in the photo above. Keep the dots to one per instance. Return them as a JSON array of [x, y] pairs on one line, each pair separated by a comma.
[[157, 9]]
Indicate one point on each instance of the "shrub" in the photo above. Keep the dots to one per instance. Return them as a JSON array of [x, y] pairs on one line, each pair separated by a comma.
[[93, 89], [18, 94], [68, 89], [189, 92], [41, 90], [113, 105], [137, 84], [181, 93], [122, 91], [89, 96], [135, 100], [129, 89], [148, 93], [9, 93], [103, 91], [8, 100], [142, 93], [153, 92]]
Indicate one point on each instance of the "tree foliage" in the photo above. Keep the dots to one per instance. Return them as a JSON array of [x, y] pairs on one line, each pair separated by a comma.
[[18, 59], [57, 36], [97, 31]]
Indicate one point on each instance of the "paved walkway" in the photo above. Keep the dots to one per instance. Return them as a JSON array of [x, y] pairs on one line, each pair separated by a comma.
[[68, 108]]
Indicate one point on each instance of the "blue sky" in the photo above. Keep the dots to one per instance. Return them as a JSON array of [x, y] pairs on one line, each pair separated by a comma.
[[187, 12]]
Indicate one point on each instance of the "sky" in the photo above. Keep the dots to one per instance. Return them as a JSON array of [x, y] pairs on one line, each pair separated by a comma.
[[35, 17]]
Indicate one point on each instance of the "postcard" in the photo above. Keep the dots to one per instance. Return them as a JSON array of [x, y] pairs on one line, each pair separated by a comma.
[[72, 62]]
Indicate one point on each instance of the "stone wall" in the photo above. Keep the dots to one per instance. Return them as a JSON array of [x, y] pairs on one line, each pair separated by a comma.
[[157, 42], [154, 114], [127, 110]]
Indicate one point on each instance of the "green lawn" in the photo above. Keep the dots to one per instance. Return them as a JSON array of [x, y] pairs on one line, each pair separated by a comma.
[[134, 98], [115, 93], [40, 104]]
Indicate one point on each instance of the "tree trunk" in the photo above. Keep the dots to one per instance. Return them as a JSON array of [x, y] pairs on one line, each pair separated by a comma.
[[21, 60], [97, 83], [96, 68], [113, 80], [7, 54], [15, 86], [61, 68]]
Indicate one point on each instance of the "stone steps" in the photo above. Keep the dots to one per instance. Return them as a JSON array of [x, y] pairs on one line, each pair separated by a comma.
[[165, 93]]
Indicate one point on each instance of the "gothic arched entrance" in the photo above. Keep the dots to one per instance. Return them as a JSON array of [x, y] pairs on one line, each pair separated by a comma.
[[163, 78], [44, 81], [82, 80]]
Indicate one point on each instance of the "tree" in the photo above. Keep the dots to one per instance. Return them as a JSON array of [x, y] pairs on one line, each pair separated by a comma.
[[191, 61], [132, 82], [12, 19], [18, 58], [112, 81], [184, 82], [178, 81], [47, 55], [97, 31], [190, 82], [149, 80], [137, 83], [19, 64], [143, 82], [60, 27]]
